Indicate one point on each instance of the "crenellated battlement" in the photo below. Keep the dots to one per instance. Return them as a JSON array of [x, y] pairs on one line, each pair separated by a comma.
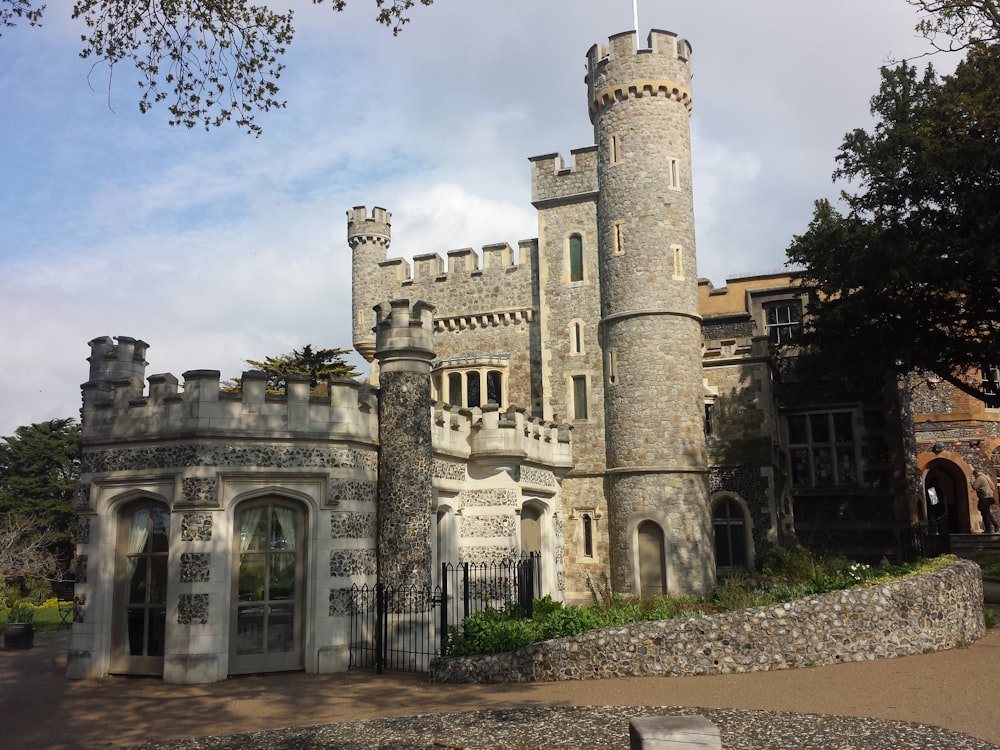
[[621, 71], [122, 409], [552, 181], [364, 227], [500, 439]]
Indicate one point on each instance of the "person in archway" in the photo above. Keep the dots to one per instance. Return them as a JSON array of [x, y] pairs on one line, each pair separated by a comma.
[[984, 500]]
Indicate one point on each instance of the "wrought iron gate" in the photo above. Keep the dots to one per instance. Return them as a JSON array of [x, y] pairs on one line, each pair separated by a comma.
[[402, 628]]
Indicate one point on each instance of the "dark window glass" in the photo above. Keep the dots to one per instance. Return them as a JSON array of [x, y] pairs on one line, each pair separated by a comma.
[[576, 258], [579, 397]]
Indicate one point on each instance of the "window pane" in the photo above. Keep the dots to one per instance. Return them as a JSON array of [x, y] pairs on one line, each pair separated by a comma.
[[281, 628], [137, 581], [797, 433], [823, 465], [282, 580], [455, 389], [158, 579], [800, 466], [576, 258], [251, 577], [820, 426], [843, 427], [493, 382], [472, 384], [847, 471], [579, 397]]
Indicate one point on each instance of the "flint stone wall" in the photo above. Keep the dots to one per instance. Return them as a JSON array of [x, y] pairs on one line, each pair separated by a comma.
[[935, 611]]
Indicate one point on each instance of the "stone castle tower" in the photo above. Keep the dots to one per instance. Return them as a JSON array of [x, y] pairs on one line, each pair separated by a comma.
[[595, 325], [640, 103]]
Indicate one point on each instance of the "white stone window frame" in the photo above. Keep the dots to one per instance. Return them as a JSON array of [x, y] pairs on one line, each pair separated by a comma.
[[618, 237], [572, 378], [577, 337], [677, 251], [673, 173], [483, 365], [615, 154], [568, 259]]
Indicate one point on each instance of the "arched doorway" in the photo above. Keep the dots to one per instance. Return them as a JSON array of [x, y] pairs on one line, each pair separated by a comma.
[[946, 498], [729, 524], [652, 572], [268, 587], [138, 630]]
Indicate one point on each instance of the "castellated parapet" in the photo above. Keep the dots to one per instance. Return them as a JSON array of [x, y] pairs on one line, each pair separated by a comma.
[[621, 71], [552, 182]]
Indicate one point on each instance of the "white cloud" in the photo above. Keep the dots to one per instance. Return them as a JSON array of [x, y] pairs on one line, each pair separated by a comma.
[[214, 247]]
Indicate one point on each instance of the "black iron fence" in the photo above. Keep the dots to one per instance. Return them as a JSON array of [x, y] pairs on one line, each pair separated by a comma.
[[402, 628]]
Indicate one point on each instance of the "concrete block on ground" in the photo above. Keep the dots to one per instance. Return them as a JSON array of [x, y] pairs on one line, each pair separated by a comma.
[[673, 733]]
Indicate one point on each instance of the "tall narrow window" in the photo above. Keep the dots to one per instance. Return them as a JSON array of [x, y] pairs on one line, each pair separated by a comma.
[[494, 387], [577, 333], [579, 397], [709, 420], [618, 238], [616, 148], [472, 389], [675, 174], [576, 258], [678, 261], [455, 388], [612, 366], [588, 535], [730, 535]]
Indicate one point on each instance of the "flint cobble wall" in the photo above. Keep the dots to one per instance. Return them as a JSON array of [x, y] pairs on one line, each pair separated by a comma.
[[934, 611]]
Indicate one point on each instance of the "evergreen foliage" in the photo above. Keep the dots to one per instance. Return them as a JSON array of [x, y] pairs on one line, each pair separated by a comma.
[[39, 468], [318, 364], [907, 277]]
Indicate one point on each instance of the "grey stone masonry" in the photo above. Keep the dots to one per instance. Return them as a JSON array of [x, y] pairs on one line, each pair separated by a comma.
[[936, 611], [405, 486], [640, 104]]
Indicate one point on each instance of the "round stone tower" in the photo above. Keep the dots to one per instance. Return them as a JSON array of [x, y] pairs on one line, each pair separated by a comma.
[[658, 496], [368, 238]]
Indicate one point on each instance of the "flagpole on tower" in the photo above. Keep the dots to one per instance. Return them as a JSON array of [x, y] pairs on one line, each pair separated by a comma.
[[635, 15]]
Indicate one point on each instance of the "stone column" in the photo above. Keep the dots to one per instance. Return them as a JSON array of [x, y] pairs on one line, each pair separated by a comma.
[[404, 350]]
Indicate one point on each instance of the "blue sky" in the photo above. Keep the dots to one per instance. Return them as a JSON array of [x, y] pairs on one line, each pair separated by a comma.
[[215, 246]]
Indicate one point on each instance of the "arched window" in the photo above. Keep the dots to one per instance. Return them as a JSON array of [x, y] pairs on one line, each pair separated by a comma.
[[576, 337], [455, 388], [652, 573], [576, 258], [473, 395], [494, 387], [730, 534]]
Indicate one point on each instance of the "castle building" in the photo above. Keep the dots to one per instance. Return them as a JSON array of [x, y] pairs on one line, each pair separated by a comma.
[[585, 398]]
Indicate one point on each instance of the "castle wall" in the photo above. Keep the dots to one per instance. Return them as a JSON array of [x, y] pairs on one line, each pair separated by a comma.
[[203, 455]]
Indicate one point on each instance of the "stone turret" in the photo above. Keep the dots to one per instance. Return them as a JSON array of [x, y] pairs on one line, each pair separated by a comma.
[[404, 348], [369, 238], [112, 363], [640, 103]]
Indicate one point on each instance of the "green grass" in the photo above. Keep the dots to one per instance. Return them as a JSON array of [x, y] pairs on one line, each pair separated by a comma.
[[46, 615]]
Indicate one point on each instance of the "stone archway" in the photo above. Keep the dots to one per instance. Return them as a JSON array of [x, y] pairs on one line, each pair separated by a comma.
[[946, 499]]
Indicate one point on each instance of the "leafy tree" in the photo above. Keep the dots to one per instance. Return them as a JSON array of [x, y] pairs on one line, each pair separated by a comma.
[[213, 61], [39, 467], [318, 364], [951, 25], [908, 277]]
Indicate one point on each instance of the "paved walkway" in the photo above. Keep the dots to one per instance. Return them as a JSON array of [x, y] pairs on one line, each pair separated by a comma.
[[957, 689]]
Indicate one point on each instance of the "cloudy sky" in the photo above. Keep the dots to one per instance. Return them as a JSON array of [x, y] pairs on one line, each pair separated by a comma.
[[215, 246]]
